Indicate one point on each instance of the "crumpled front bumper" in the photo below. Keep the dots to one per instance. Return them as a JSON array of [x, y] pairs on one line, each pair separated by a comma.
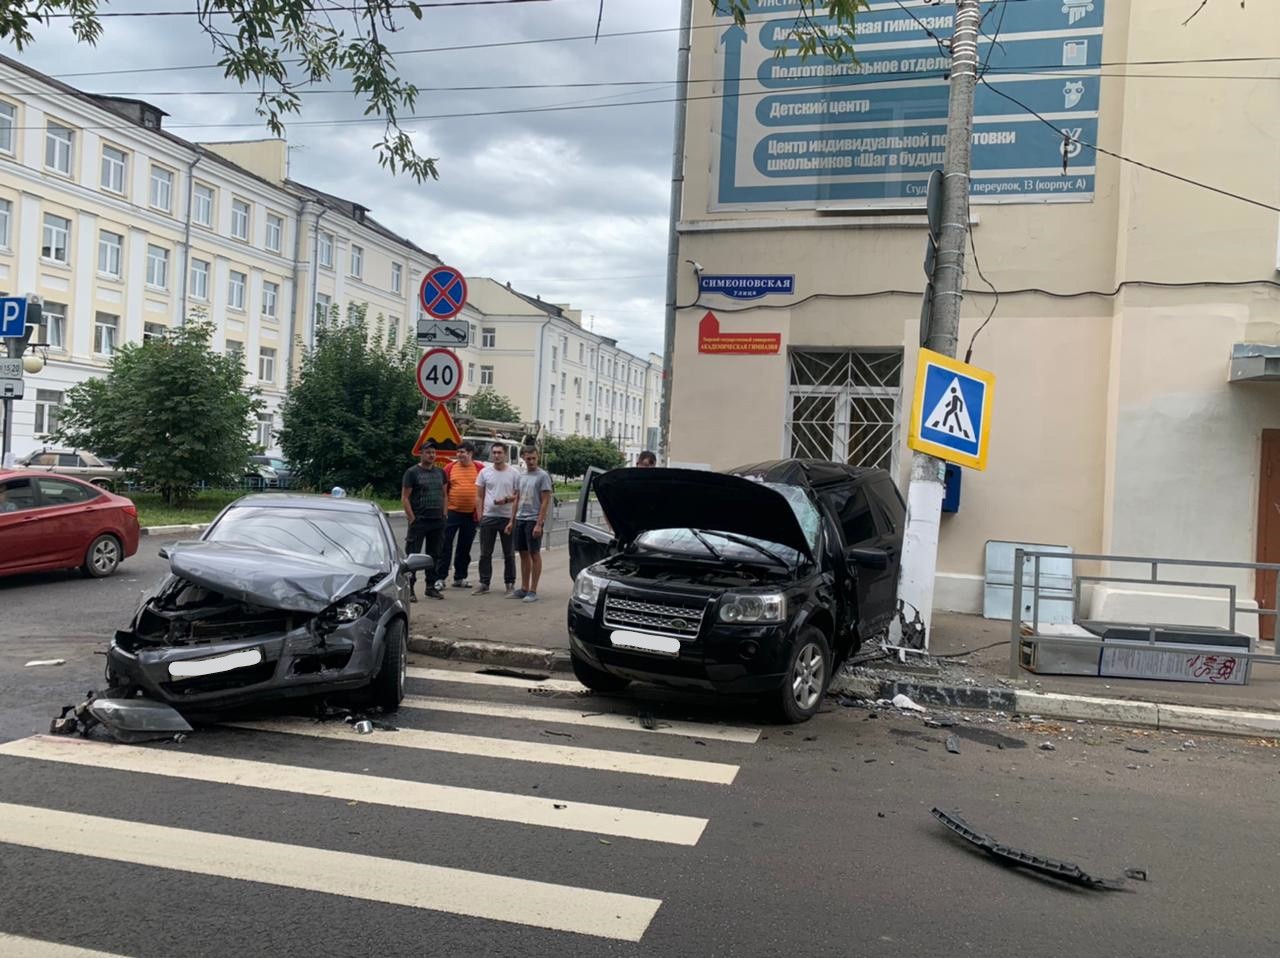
[[294, 663]]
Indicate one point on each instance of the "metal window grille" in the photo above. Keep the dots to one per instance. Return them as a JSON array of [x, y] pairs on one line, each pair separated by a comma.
[[842, 406]]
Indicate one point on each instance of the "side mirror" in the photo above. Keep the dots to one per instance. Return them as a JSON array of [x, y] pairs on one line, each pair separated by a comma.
[[419, 562], [871, 558]]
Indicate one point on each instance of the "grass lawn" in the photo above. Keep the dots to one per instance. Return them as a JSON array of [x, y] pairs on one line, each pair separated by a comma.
[[567, 490], [152, 510]]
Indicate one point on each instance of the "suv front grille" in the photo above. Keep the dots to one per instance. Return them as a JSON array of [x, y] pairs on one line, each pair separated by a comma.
[[664, 618]]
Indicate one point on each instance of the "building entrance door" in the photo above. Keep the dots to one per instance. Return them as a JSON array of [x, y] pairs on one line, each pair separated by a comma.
[[1268, 528]]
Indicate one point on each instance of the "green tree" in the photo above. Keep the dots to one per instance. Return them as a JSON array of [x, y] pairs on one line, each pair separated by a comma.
[[282, 47], [353, 412], [490, 404], [171, 410], [571, 456]]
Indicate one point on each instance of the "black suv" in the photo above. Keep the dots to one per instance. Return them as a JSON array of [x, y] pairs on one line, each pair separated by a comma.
[[760, 580]]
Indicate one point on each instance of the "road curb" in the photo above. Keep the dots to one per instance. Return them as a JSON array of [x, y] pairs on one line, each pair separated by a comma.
[[1157, 715], [492, 653], [173, 530]]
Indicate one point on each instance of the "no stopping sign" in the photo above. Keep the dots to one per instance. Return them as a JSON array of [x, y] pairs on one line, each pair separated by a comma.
[[439, 375]]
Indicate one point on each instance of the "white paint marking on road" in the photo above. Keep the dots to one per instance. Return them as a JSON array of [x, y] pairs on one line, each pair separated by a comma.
[[15, 946], [534, 713], [503, 681], [369, 789], [634, 763], [456, 891]]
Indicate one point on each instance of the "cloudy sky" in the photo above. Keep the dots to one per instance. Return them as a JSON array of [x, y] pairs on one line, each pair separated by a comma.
[[570, 205]]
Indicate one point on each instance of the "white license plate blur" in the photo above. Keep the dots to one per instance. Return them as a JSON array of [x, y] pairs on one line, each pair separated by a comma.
[[219, 663], [661, 644]]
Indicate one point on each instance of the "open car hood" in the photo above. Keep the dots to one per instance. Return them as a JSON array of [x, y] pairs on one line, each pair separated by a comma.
[[639, 500], [267, 577]]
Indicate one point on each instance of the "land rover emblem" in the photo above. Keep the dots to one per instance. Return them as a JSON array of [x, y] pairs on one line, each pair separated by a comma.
[[680, 625]]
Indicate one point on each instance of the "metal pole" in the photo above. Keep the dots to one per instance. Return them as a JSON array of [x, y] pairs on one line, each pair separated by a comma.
[[8, 434], [924, 495], [1015, 617], [673, 233]]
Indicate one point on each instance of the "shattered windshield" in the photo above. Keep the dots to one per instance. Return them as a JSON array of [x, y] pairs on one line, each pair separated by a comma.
[[689, 541], [344, 537]]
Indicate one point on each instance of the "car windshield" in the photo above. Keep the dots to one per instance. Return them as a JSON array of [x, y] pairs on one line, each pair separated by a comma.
[[344, 537], [739, 548]]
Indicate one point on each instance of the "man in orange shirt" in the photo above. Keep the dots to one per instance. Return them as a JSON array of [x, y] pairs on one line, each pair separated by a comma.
[[460, 521]]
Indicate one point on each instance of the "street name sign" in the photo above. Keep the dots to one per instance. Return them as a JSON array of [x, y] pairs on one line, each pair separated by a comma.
[[443, 292], [444, 332], [747, 287], [951, 411], [439, 375]]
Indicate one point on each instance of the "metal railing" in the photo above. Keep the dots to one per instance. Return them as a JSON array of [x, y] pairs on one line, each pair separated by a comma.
[[1093, 641]]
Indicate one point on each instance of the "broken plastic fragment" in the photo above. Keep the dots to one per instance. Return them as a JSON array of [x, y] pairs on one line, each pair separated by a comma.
[[904, 702], [364, 727], [138, 720], [35, 663], [953, 744]]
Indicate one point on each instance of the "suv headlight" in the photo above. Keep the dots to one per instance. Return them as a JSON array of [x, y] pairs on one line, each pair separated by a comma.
[[753, 607], [349, 610], [587, 588]]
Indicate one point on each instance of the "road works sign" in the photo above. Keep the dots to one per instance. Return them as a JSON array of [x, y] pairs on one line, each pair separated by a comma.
[[951, 413], [441, 432], [439, 374]]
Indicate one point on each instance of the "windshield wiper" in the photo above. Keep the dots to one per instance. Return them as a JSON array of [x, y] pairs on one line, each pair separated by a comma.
[[710, 548], [751, 544]]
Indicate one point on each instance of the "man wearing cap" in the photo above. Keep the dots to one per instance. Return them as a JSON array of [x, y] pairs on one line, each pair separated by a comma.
[[423, 495]]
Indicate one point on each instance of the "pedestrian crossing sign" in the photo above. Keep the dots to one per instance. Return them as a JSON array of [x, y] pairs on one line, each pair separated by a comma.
[[951, 413]]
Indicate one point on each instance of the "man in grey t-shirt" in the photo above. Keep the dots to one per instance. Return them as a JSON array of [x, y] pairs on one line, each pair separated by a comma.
[[496, 486], [528, 514]]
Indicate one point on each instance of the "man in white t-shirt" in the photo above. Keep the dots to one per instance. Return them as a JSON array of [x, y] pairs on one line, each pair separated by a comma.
[[496, 487]]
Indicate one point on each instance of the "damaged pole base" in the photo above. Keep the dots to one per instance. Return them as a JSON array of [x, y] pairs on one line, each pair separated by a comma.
[[1064, 871]]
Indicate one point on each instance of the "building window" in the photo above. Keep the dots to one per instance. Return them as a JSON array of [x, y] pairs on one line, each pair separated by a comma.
[[486, 375], [471, 373], [393, 330], [275, 232], [240, 220], [357, 261], [267, 364], [153, 331], [488, 337], [235, 290], [325, 253], [8, 122], [202, 211], [106, 331], [564, 388], [157, 267], [235, 348], [57, 238], [561, 418], [53, 326], [323, 306], [843, 406], [161, 188], [554, 354], [48, 411], [6, 215], [110, 252], [200, 279], [266, 425], [397, 277], [270, 296], [58, 147], [114, 163], [577, 422], [553, 397], [581, 350]]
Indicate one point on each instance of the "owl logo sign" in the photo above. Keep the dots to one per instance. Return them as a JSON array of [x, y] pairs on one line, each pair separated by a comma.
[[1072, 94]]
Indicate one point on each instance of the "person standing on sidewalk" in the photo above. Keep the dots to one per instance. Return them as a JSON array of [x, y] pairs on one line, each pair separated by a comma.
[[460, 520], [528, 516], [496, 489], [422, 494]]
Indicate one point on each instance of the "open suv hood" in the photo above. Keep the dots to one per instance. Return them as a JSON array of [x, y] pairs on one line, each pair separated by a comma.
[[639, 500]]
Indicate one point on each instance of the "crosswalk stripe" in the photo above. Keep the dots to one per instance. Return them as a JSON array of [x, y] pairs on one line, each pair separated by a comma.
[[391, 881], [608, 720], [369, 789], [502, 681], [15, 946], [634, 763]]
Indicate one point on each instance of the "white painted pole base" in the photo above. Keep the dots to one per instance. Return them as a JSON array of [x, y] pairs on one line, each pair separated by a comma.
[[920, 541]]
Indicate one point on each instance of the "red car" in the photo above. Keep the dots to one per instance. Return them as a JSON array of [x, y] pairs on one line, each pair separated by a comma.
[[56, 522]]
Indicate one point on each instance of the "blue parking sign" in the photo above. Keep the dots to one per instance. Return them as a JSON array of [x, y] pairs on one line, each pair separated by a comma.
[[13, 316]]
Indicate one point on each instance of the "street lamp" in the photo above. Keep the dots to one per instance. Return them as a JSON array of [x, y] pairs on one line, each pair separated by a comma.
[[32, 363]]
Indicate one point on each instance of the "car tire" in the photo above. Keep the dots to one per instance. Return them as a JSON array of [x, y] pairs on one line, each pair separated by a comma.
[[594, 679], [807, 677], [103, 557], [387, 688]]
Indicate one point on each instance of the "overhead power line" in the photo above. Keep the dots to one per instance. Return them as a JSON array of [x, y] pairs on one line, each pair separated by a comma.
[[423, 5]]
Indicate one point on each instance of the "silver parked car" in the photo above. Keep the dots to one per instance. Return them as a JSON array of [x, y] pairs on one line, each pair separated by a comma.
[[79, 463]]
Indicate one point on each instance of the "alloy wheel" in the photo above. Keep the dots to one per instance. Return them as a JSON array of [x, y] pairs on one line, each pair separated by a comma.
[[807, 677]]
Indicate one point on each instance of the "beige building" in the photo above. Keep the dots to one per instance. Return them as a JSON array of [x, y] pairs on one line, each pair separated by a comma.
[[1117, 425]]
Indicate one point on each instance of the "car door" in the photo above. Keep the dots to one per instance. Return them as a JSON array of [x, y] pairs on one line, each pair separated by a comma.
[[590, 539], [65, 518], [21, 545], [862, 526]]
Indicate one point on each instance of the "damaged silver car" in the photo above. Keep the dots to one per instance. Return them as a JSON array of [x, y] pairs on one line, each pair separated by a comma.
[[284, 595]]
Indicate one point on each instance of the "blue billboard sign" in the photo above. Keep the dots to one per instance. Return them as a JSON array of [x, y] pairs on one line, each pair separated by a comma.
[[812, 132]]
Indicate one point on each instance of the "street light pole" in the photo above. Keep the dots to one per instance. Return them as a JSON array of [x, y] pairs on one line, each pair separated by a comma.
[[925, 493]]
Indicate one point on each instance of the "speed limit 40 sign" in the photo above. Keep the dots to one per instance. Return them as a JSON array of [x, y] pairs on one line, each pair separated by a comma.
[[439, 375]]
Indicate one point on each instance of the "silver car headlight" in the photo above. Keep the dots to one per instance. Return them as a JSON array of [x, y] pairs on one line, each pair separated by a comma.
[[753, 607], [587, 588]]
